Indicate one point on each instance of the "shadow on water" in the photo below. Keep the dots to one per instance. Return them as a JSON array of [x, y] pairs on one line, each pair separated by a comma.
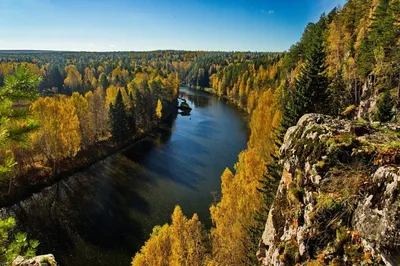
[[184, 113], [207, 129], [199, 101], [84, 209], [101, 216]]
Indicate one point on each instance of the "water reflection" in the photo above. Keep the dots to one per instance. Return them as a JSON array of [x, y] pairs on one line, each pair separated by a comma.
[[184, 113], [101, 216], [199, 100]]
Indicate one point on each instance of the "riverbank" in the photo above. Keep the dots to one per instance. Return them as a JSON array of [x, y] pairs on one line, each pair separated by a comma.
[[36, 179], [231, 101], [105, 213]]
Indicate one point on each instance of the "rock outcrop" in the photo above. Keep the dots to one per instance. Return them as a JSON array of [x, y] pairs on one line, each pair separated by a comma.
[[368, 103], [43, 260], [338, 200]]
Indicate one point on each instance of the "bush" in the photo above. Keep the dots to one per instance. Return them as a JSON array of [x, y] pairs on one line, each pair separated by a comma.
[[10, 247]]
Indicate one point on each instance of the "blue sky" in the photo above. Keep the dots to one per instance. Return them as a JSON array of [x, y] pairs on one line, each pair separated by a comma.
[[142, 25]]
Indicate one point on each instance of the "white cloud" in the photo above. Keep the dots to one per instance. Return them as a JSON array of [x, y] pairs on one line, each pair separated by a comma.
[[270, 12], [112, 46]]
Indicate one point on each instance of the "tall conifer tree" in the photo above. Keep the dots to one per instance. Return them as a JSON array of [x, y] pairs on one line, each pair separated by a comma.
[[310, 92], [119, 119]]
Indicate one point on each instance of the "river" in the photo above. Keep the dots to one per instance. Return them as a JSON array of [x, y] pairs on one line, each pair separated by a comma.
[[102, 215]]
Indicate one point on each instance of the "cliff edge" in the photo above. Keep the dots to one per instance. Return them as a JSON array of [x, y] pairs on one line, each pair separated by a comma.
[[338, 200]]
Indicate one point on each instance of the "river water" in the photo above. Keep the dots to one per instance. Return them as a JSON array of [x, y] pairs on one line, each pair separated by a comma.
[[101, 216]]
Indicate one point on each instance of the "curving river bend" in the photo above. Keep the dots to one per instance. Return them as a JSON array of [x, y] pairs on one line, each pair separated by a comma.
[[101, 216]]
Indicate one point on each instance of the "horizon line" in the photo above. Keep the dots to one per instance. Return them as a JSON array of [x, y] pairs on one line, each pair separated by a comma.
[[138, 51]]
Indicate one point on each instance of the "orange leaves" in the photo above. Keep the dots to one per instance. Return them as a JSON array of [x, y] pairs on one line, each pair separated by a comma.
[[240, 199], [178, 244], [391, 156], [263, 125], [156, 250]]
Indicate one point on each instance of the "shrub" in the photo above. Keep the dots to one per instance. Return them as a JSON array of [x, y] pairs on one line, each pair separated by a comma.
[[10, 247]]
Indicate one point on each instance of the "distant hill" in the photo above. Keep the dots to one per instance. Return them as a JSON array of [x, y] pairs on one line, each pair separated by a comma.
[[26, 51]]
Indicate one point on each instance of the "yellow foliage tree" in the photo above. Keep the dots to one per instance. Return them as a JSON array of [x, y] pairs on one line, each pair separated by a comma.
[[86, 126], [58, 137], [176, 86], [263, 124], [234, 213], [98, 111], [89, 74], [187, 240], [74, 78], [159, 109], [111, 95], [335, 46], [157, 249], [180, 244], [242, 90]]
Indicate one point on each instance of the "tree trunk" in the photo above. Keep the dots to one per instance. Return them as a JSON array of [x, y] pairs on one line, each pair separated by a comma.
[[398, 92], [9, 185], [355, 91]]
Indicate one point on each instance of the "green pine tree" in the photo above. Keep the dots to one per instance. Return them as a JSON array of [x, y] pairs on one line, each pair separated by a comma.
[[18, 91], [310, 93], [337, 99], [119, 119], [132, 115], [268, 187], [13, 245], [103, 81], [384, 112], [269, 183]]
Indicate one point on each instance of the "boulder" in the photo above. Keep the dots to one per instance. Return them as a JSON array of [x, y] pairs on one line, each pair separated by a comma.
[[43, 260]]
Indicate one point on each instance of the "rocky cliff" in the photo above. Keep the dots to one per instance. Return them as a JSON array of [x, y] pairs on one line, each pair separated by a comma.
[[338, 200]]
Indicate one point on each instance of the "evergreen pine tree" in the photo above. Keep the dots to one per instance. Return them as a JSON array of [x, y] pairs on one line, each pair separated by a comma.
[[119, 119], [310, 93], [1, 79], [269, 183], [14, 121], [55, 79], [132, 115], [337, 99], [103, 81], [384, 112]]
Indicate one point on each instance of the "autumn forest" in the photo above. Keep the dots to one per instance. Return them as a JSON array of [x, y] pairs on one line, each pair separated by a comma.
[[61, 112]]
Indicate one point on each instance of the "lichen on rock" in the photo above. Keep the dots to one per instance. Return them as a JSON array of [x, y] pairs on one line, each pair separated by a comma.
[[338, 199], [43, 260]]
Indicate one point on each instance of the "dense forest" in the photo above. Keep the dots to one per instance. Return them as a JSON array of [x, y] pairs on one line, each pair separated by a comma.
[[54, 105], [346, 64], [61, 110], [111, 96], [78, 104]]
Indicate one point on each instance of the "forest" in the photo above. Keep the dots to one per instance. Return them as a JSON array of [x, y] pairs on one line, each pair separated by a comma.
[[56, 105], [112, 96], [344, 60], [73, 110]]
